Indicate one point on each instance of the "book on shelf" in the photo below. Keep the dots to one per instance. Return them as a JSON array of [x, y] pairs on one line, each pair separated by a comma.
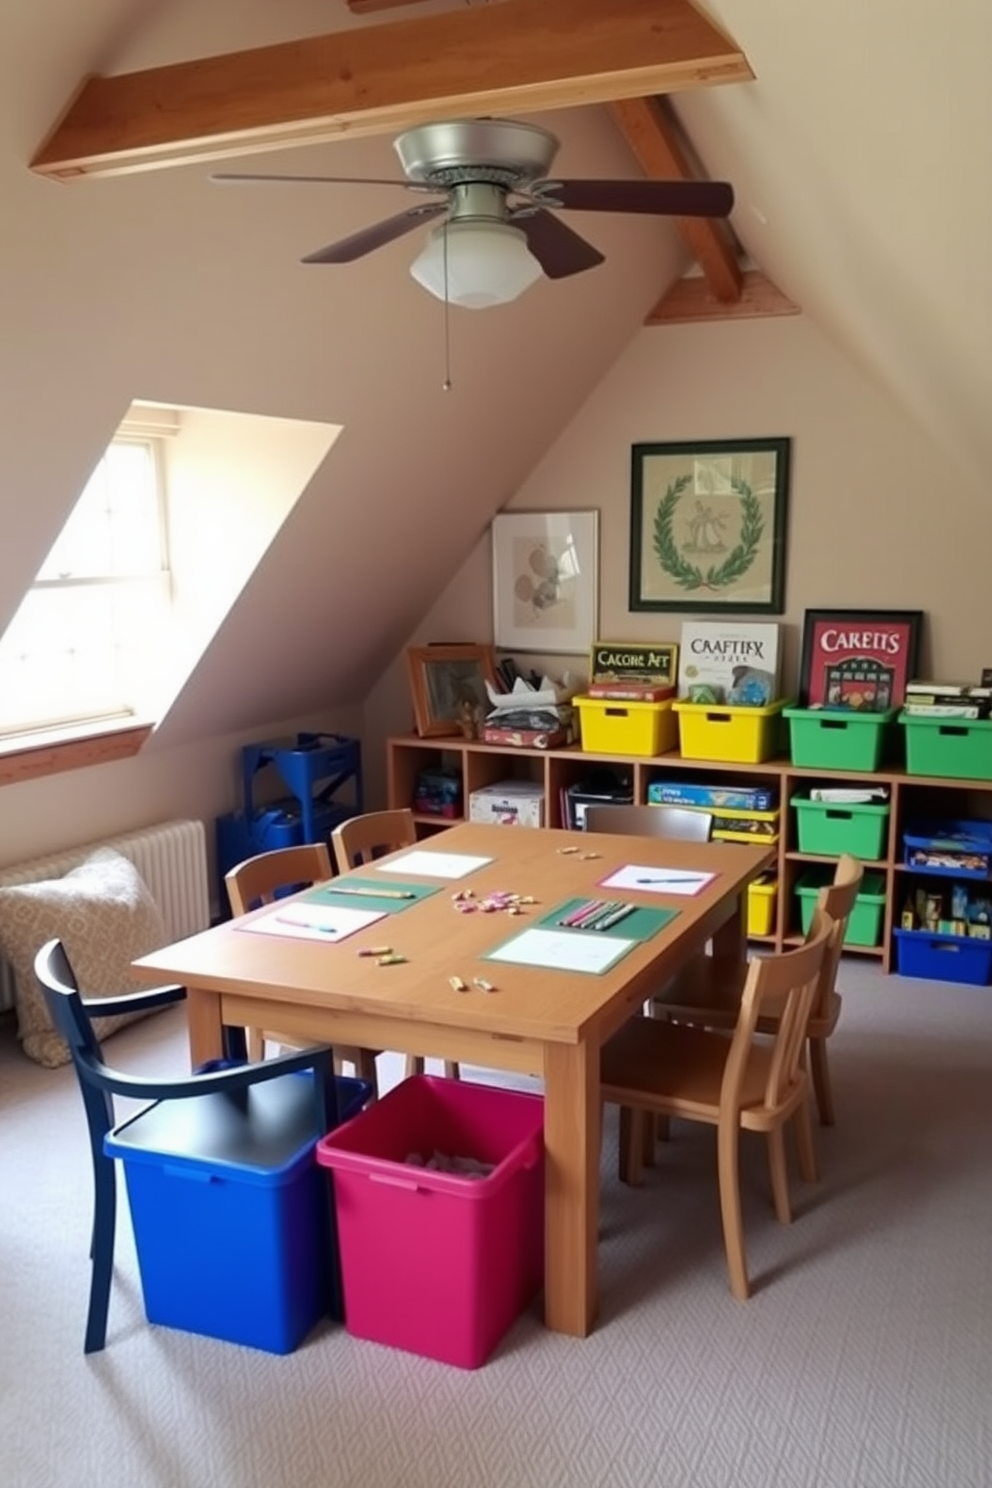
[[630, 692], [850, 795], [945, 709], [723, 662]]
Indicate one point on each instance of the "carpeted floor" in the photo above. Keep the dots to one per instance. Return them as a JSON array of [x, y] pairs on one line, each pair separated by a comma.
[[863, 1360]]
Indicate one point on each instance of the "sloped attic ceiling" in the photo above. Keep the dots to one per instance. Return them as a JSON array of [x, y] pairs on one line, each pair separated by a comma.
[[857, 161]]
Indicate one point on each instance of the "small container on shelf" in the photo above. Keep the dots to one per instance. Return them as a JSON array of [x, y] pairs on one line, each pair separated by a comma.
[[959, 749], [761, 897], [959, 848], [838, 738], [831, 828], [729, 732], [864, 928], [609, 726], [943, 958]]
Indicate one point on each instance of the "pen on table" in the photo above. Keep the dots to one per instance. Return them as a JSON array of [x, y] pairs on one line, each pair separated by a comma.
[[689, 878], [306, 925], [371, 893], [586, 911], [592, 922], [620, 913]]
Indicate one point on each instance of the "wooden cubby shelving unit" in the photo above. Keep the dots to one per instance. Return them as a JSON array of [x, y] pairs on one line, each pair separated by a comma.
[[911, 797]]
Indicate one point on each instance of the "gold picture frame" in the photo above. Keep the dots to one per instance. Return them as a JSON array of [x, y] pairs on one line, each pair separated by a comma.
[[447, 685]]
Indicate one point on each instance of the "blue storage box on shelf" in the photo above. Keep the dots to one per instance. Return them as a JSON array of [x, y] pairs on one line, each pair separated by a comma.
[[959, 848], [323, 772], [230, 1211], [713, 797], [943, 958]]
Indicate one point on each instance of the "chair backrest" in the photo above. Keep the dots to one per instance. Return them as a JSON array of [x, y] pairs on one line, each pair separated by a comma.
[[677, 822], [837, 900], [785, 983], [257, 880], [360, 839], [69, 1018]]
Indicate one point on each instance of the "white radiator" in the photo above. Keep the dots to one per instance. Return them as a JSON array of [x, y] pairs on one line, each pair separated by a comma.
[[171, 858]]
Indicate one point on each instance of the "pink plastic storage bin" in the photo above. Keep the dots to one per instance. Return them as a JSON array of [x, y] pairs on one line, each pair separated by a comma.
[[433, 1262]]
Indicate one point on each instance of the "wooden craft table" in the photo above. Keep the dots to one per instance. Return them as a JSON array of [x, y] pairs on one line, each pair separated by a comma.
[[543, 1021]]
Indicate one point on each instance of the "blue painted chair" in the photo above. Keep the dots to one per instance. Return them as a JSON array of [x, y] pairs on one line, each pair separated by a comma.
[[98, 1084]]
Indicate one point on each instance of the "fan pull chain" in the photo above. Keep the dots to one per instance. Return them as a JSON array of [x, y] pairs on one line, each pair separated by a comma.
[[446, 384]]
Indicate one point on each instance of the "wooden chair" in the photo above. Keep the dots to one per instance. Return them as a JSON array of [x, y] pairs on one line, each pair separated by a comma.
[[708, 992], [362, 839], [257, 881], [677, 822], [735, 1082]]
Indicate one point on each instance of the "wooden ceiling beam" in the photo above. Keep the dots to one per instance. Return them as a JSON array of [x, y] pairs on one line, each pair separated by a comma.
[[653, 137], [519, 56]]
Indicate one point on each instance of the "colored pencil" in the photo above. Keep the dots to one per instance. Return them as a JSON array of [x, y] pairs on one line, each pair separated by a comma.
[[371, 893]]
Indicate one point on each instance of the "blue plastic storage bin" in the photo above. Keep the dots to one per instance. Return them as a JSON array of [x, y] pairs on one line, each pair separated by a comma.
[[961, 849], [943, 958], [230, 1211]]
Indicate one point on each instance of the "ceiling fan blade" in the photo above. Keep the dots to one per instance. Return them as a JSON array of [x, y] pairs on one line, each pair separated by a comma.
[[346, 250], [558, 249], [661, 198], [239, 178]]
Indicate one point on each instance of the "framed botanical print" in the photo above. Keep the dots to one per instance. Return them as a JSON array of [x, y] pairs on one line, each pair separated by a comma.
[[545, 580], [708, 526]]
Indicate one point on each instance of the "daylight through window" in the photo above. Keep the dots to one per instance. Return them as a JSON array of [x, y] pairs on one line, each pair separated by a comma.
[[80, 647]]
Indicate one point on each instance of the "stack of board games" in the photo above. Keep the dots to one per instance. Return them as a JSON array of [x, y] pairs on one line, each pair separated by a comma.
[[725, 663], [627, 671], [946, 700]]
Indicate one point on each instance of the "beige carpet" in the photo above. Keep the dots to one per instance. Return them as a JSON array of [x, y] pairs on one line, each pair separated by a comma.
[[863, 1361]]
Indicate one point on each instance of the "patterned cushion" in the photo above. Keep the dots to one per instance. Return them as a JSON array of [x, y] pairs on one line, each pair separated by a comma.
[[105, 917]]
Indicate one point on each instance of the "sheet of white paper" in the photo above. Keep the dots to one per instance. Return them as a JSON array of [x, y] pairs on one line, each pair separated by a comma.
[[649, 880], [433, 864], [563, 951], [313, 921]]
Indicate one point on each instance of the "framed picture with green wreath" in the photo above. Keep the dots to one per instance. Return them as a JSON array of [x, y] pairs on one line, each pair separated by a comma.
[[708, 526]]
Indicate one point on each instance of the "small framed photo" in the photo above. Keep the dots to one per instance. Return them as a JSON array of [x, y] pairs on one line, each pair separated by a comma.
[[448, 687], [545, 580], [708, 526], [858, 659]]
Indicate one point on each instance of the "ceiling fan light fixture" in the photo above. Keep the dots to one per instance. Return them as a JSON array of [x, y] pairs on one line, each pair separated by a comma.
[[488, 263]]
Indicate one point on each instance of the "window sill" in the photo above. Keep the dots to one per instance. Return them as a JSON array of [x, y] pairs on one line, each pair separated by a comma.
[[29, 756]]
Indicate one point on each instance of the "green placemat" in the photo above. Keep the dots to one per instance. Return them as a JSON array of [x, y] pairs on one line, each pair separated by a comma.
[[640, 924], [388, 898]]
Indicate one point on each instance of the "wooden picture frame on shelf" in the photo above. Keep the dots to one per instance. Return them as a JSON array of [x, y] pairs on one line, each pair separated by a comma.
[[448, 688]]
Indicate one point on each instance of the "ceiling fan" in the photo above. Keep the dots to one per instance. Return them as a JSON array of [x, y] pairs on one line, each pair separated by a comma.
[[498, 229]]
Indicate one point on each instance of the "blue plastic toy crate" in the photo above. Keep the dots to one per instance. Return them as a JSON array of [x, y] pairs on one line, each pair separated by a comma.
[[324, 774], [943, 958], [229, 1209], [962, 849]]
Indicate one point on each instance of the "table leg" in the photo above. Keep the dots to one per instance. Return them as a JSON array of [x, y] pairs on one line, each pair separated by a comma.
[[572, 1139], [730, 941], [206, 1037]]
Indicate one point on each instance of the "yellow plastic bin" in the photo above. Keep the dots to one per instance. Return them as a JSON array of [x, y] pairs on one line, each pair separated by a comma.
[[761, 897], [610, 727], [739, 735]]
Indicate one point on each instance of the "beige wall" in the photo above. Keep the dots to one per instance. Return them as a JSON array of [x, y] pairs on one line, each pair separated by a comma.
[[878, 518]]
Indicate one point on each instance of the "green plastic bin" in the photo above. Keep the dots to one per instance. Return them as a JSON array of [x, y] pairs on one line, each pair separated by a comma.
[[838, 739], [957, 748], [832, 828], [864, 928]]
